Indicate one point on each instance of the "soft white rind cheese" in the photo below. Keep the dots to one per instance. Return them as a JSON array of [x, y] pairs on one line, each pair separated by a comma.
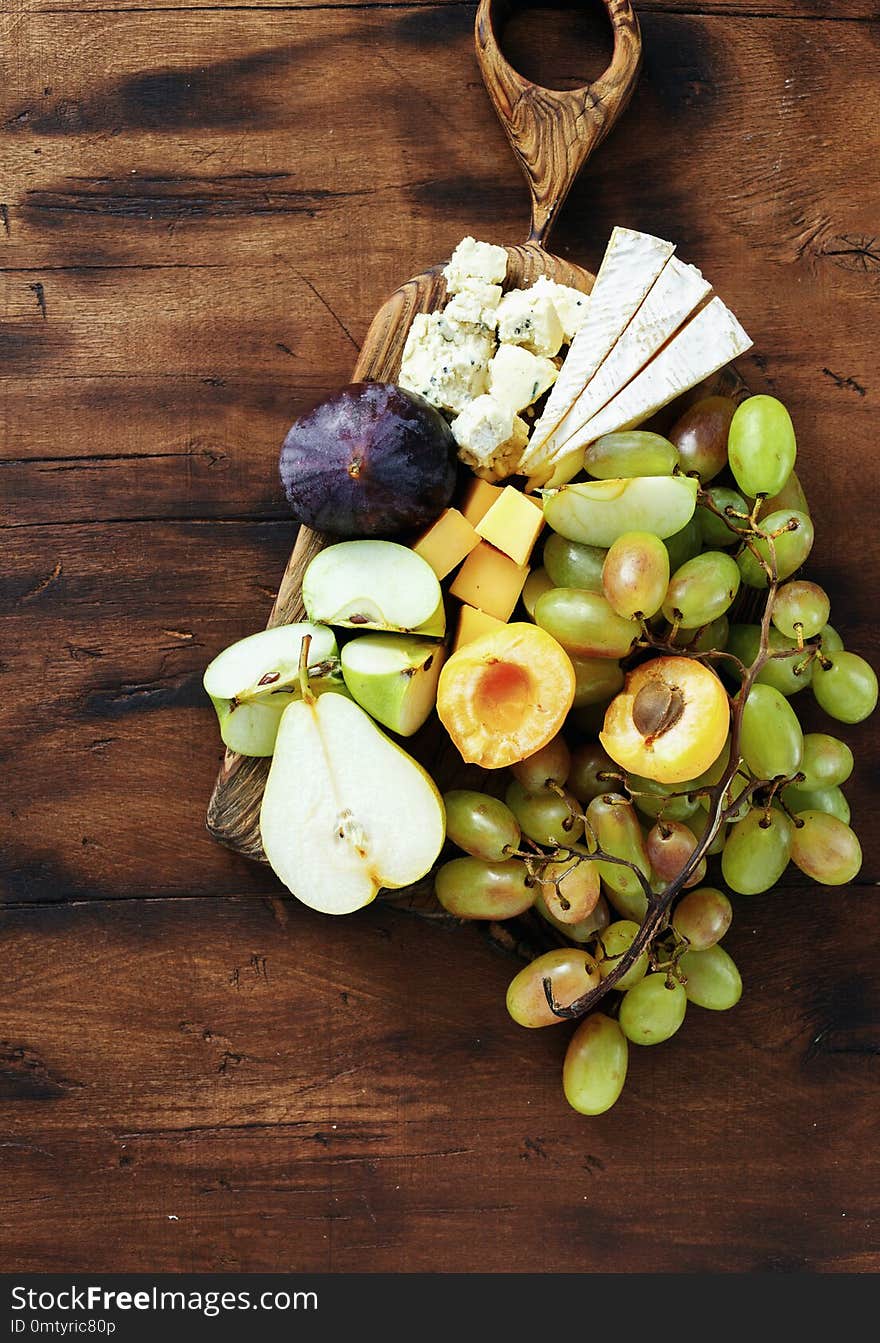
[[474, 260], [517, 377], [709, 341], [570, 304], [529, 319], [445, 362], [676, 292], [490, 437], [629, 268]]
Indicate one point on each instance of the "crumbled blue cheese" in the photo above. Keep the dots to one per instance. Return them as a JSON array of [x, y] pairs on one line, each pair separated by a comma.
[[570, 304], [529, 319], [490, 437], [517, 377], [446, 362], [474, 260], [475, 303]]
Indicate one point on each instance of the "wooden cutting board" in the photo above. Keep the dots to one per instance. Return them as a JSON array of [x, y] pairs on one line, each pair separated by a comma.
[[552, 133]]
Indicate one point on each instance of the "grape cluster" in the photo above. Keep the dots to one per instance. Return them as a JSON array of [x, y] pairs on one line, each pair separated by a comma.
[[613, 863]]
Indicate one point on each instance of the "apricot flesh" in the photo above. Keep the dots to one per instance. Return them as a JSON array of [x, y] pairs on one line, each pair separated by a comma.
[[670, 721], [504, 696]]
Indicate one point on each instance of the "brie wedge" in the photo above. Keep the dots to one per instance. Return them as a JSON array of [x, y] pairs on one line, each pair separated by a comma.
[[631, 264], [677, 291], [709, 341]]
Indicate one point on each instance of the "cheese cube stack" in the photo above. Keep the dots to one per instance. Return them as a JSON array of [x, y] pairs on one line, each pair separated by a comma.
[[651, 331]]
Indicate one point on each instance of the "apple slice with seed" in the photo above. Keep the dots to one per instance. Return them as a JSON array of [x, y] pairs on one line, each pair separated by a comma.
[[394, 677], [376, 585]]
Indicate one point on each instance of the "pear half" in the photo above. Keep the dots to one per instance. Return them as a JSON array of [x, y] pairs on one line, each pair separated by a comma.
[[394, 677], [252, 682], [377, 585], [345, 811]]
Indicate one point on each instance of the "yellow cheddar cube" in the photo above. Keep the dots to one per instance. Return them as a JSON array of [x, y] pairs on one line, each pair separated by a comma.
[[473, 624], [491, 581], [479, 497], [447, 542], [512, 524]]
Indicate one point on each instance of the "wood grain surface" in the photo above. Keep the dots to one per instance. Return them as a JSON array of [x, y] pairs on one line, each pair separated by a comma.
[[200, 210]]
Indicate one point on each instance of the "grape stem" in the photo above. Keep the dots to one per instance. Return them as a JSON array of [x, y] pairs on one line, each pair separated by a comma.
[[720, 811]]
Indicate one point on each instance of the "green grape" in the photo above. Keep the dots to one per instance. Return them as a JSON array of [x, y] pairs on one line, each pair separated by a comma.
[[651, 1012], [596, 680], [545, 817], [715, 773], [702, 589], [684, 544], [757, 851], [615, 825], [713, 980], [700, 824], [635, 574], [537, 583], [847, 688], [782, 674], [827, 761], [825, 848], [586, 930], [831, 640], [597, 512], [572, 973], [702, 916], [734, 789], [830, 800], [771, 739], [803, 604], [587, 763], [471, 889], [790, 496], [595, 1064], [632, 452], [715, 531], [615, 942], [669, 845], [549, 765], [792, 548], [570, 888], [571, 565], [701, 436], [655, 799], [704, 638], [481, 825], [761, 445], [585, 624]]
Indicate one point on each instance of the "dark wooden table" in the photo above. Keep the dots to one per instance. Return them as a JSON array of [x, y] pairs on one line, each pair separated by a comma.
[[200, 208]]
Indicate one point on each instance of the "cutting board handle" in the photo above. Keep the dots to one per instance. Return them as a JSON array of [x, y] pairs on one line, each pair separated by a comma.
[[553, 131]]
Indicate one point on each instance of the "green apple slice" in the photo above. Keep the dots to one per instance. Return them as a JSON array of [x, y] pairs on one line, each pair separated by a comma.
[[252, 682], [597, 512], [376, 585], [345, 810], [394, 677]]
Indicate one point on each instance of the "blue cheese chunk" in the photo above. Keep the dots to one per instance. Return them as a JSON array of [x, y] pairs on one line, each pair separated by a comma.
[[517, 377], [570, 304], [475, 304], [446, 362], [529, 319], [490, 437], [474, 260]]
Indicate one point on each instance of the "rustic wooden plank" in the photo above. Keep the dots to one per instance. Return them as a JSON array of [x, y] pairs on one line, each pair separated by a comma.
[[104, 723], [309, 1094], [213, 352], [812, 10]]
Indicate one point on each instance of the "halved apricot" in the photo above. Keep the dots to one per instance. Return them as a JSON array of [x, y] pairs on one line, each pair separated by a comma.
[[505, 695], [670, 721]]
